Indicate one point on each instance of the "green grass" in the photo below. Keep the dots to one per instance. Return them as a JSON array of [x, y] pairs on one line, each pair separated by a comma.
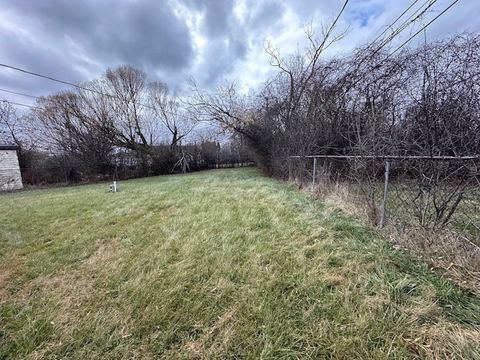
[[217, 264]]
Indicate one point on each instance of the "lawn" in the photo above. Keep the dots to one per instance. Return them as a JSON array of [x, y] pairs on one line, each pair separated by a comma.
[[216, 264]]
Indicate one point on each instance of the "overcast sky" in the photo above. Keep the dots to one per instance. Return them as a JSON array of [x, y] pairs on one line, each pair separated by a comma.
[[210, 40]]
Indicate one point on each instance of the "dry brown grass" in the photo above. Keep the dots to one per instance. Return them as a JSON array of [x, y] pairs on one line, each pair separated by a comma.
[[213, 340], [445, 251], [432, 339], [70, 293]]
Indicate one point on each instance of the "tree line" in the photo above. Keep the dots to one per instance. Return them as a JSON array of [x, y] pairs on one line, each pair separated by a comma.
[[119, 125], [421, 101], [418, 101]]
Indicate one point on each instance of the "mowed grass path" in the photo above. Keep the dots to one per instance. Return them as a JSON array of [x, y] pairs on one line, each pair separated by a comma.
[[217, 264]]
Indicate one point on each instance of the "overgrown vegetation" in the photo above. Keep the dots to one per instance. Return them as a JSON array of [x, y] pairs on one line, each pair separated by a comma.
[[419, 106], [217, 264], [116, 127], [447, 250], [417, 101]]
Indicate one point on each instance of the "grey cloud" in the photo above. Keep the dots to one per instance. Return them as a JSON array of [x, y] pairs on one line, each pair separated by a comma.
[[78, 40], [217, 15], [27, 53], [224, 56], [265, 14], [226, 39]]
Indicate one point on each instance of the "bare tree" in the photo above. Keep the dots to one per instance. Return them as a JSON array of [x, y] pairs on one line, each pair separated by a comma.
[[127, 85], [168, 108], [64, 128], [9, 124]]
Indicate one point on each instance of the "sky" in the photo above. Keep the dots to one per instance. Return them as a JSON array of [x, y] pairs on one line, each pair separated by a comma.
[[211, 41]]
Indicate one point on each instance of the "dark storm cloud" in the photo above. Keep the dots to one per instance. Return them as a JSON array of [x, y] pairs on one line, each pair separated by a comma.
[[145, 33], [226, 39], [26, 52], [78, 40], [218, 17]]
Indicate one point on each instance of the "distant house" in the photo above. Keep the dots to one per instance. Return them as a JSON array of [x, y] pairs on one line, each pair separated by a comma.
[[10, 176]]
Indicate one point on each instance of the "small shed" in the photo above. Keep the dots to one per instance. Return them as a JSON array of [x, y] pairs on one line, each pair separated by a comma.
[[10, 175]]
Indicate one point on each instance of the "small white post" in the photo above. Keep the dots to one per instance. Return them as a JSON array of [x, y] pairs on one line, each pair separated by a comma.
[[114, 186], [314, 170]]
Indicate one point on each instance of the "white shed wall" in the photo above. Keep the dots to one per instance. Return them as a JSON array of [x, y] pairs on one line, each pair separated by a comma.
[[10, 176]]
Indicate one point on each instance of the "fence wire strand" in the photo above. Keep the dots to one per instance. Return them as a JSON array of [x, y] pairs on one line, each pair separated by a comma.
[[432, 194]]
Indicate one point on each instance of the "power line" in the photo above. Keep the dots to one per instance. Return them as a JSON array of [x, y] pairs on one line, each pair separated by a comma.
[[19, 93], [31, 96], [51, 78], [19, 104], [410, 20], [66, 83], [423, 28], [410, 38], [398, 18], [417, 14], [339, 14]]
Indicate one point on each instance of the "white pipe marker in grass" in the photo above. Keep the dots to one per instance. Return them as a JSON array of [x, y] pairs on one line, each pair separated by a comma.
[[113, 187]]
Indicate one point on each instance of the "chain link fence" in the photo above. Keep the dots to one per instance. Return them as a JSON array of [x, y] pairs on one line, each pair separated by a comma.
[[431, 194], [429, 206]]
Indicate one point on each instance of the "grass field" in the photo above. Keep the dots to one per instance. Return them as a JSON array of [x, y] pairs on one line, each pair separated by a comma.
[[217, 264]]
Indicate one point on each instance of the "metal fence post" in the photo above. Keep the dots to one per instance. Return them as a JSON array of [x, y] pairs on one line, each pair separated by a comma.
[[289, 160], [385, 195], [314, 170]]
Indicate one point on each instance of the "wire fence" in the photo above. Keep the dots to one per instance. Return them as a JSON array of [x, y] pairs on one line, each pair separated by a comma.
[[430, 193]]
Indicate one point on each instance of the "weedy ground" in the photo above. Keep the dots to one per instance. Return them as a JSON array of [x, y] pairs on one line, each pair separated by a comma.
[[453, 250], [217, 264]]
